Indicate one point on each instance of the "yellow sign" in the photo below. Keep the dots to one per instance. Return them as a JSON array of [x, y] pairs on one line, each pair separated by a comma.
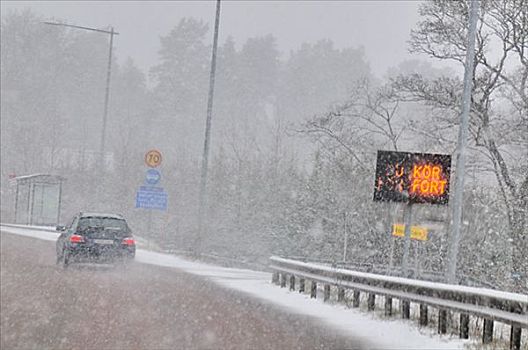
[[153, 158], [417, 232]]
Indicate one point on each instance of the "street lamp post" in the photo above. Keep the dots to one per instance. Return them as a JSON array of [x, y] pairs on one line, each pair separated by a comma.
[[205, 157], [474, 6], [111, 32]]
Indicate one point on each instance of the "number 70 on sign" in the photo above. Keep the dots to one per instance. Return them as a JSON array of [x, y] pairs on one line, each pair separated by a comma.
[[153, 158]]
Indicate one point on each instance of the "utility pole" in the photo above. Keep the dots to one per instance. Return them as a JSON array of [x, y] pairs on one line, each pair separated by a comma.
[[107, 96], [111, 32], [205, 158], [462, 142]]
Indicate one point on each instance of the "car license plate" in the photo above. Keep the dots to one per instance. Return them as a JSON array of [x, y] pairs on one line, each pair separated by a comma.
[[103, 241]]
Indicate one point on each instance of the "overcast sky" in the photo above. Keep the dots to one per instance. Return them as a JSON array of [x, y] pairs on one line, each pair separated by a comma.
[[381, 27]]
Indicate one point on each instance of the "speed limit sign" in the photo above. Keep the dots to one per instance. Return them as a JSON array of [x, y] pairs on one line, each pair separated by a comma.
[[153, 158]]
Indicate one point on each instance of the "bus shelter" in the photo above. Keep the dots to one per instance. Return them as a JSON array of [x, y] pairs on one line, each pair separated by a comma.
[[38, 199]]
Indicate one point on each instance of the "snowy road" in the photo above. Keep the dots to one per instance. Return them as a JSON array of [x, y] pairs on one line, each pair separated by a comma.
[[252, 303], [138, 307]]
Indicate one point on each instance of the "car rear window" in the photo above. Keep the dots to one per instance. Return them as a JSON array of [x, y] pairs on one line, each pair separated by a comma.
[[108, 224]]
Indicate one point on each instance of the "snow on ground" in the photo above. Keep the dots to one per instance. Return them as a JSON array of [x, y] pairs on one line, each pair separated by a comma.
[[29, 231], [378, 333], [48, 233]]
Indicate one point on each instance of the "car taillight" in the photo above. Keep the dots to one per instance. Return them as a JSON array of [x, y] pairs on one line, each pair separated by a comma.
[[76, 239], [129, 241]]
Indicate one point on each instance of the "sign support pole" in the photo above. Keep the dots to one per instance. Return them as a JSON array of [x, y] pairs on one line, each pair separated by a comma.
[[60, 203], [149, 226], [345, 245], [391, 257], [416, 247], [407, 218], [32, 203], [390, 224], [16, 203]]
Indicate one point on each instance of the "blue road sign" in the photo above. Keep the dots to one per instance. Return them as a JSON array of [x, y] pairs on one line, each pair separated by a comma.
[[150, 189], [148, 197], [152, 177]]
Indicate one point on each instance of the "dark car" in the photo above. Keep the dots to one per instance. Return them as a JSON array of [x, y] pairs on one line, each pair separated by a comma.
[[95, 237]]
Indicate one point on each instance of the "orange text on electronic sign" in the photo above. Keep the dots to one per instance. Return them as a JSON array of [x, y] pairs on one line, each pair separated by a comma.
[[428, 180]]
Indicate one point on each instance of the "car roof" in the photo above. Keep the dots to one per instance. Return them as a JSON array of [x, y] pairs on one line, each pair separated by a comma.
[[104, 215]]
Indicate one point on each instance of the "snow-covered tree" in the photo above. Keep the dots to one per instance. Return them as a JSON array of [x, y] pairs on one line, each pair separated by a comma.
[[499, 103]]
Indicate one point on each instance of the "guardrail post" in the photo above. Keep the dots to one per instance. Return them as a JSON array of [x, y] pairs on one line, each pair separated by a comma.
[[423, 315], [340, 294], [292, 282], [275, 278], [406, 309], [355, 299], [442, 321], [313, 290], [515, 338], [464, 326], [388, 306], [487, 335], [301, 285], [371, 304], [326, 292], [283, 280]]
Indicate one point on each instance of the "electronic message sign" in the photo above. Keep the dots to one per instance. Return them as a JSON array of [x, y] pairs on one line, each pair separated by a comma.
[[412, 177]]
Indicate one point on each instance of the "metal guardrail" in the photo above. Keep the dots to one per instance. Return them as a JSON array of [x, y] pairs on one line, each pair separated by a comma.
[[491, 305], [381, 269]]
